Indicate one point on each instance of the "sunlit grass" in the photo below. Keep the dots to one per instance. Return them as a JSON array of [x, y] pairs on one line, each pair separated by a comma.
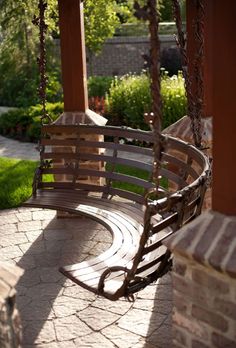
[[135, 172], [130, 171], [16, 178]]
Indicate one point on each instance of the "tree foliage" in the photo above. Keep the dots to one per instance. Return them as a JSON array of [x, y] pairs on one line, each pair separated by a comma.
[[19, 50], [19, 41], [124, 11], [100, 21]]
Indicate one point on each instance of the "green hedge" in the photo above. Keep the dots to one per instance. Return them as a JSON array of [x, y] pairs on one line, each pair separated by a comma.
[[129, 98], [24, 123], [98, 86], [126, 102]]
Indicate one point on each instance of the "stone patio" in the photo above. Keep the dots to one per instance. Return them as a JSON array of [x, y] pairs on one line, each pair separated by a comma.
[[55, 312]]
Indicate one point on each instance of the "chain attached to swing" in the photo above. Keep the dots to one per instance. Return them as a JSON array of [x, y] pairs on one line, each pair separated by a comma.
[[39, 21], [149, 12], [195, 99]]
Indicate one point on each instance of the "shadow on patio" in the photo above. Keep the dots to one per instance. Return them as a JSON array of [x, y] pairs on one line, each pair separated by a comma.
[[55, 312], [45, 297]]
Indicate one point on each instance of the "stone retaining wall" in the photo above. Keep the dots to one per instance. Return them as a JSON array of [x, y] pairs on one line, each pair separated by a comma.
[[123, 55]]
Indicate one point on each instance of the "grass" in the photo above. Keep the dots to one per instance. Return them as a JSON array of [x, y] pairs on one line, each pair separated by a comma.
[[15, 181], [16, 178], [138, 173]]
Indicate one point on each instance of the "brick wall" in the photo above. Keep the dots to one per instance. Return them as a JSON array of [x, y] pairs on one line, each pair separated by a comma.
[[204, 283], [205, 309], [122, 55], [10, 327]]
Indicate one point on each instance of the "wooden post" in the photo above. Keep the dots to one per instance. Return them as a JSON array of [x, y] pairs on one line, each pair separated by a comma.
[[224, 125], [73, 58]]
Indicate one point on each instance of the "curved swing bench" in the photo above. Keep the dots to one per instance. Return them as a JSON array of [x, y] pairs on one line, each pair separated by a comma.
[[136, 256]]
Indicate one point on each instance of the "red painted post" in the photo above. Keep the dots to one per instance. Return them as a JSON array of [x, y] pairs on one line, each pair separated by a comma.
[[224, 115], [73, 58]]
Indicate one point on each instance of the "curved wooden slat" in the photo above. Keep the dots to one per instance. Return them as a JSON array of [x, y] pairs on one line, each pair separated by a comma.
[[123, 219]]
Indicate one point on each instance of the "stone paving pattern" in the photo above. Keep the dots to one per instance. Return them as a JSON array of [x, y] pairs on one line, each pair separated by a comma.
[[16, 149], [55, 312]]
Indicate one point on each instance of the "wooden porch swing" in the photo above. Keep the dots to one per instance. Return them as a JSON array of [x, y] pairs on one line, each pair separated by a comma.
[[137, 221]]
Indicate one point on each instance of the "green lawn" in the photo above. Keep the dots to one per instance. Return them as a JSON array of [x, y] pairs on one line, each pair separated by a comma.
[[16, 178], [138, 173], [15, 181]]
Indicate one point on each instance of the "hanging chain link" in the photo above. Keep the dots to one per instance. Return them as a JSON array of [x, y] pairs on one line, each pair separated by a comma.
[[40, 23], [194, 101], [149, 12], [156, 115], [198, 69]]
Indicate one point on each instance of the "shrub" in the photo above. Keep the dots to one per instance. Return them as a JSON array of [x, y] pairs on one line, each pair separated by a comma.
[[24, 123], [171, 60], [97, 104], [98, 86], [129, 98], [20, 89], [174, 99]]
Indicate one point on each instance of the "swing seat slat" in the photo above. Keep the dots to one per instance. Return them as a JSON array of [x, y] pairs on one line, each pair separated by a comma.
[[114, 206]]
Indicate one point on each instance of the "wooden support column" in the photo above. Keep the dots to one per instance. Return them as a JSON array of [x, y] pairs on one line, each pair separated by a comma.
[[224, 114], [205, 249], [74, 78], [73, 58]]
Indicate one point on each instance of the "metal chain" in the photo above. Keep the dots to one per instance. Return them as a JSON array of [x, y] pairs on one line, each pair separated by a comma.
[[181, 43], [154, 118], [149, 12], [195, 102], [198, 68], [40, 23]]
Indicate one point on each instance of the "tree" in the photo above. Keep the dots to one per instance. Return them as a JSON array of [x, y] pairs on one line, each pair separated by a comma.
[[19, 50], [100, 22], [124, 11], [19, 43]]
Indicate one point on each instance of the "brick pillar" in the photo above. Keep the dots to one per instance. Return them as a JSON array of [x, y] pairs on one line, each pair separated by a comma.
[[204, 282], [89, 117], [74, 79], [10, 326], [204, 274]]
